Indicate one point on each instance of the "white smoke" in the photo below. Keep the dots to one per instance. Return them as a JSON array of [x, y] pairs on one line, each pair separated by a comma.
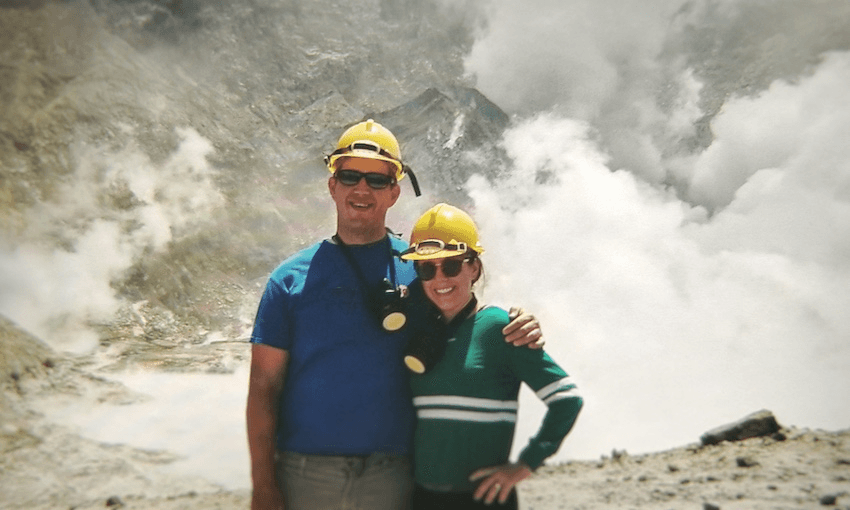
[[673, 321], [578, 57], [118, 205], [791, 130], [56, 295], [174, 417]]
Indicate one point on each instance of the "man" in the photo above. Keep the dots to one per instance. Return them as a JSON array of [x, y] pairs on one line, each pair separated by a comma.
[[329, 414]]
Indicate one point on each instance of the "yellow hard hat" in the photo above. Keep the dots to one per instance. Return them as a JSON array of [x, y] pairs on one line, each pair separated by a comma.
[[371, 140], [443, 231]]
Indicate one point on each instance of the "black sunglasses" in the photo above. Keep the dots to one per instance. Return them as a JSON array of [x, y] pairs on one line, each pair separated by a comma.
[[427, 270], [373, 179]]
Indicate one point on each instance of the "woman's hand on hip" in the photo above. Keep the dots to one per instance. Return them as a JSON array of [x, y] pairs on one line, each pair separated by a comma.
[[499, 481]]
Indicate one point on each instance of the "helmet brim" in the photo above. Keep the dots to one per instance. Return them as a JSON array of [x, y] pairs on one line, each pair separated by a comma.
[[365, 154], [442, 254]]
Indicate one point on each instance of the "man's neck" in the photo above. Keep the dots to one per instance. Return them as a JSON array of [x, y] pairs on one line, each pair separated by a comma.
[[358, 236]]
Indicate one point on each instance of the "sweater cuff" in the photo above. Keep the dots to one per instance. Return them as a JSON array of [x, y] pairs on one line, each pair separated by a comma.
[[536, 452]]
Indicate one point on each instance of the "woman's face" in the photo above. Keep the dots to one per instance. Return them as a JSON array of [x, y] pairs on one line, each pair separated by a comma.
[[449, 293]]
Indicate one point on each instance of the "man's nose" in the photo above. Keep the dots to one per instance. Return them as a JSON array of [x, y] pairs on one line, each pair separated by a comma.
[[362, 187]]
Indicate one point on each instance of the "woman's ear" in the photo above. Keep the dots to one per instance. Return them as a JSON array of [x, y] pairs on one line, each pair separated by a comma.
[[478, 269]]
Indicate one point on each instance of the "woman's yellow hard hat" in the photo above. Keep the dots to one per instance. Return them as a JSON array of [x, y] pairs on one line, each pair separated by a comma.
[[443, 231]]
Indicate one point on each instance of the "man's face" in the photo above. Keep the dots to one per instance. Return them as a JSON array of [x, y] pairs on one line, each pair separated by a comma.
[[361, 207]]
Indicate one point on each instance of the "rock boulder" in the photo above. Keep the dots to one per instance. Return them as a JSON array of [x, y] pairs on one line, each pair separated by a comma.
[[761, 423]]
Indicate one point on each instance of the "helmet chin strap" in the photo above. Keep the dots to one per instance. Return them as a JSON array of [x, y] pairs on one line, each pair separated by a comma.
[[413, 181]]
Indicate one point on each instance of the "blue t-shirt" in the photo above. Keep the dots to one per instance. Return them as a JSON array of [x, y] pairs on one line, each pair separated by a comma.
[[346, 389]]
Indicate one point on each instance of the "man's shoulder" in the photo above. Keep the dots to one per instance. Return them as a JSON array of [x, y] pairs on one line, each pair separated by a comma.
[[397, 242], [299, 261]]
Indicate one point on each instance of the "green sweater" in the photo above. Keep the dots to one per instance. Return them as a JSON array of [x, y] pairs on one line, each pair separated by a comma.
[[467, 404]]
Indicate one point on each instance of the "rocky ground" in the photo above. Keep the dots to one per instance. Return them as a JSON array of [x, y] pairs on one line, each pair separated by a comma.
[[808, 469], [44, 465]]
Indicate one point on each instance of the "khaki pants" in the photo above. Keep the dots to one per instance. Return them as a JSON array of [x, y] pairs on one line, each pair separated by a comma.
[[316, 482]]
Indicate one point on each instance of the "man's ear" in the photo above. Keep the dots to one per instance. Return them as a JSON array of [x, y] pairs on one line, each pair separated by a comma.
[[396, 192]]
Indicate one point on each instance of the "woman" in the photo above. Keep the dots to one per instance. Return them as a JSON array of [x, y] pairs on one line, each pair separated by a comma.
[[466, 378]]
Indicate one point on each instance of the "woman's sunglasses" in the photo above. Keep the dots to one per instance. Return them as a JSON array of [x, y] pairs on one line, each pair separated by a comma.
[[374, 180], [427, 270]]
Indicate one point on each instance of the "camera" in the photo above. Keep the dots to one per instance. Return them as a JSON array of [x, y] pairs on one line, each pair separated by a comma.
[[423, 351], [428, 343], [389, 304]]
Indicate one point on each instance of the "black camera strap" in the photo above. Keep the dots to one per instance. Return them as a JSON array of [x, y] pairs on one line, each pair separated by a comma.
[[358, 272], [428, 344], [443, 330], [458, 319]]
